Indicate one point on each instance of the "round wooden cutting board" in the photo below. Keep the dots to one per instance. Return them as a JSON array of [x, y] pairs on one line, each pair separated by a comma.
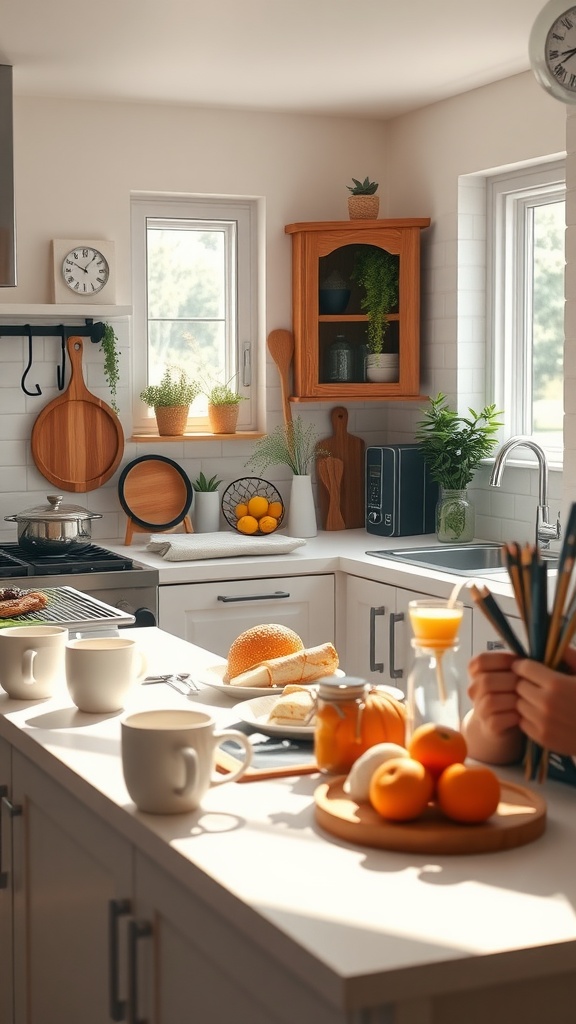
[[77, 440], [519, 819], [155, 492]]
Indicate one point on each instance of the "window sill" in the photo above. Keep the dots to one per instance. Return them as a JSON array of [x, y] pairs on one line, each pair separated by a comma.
[[240, 435]]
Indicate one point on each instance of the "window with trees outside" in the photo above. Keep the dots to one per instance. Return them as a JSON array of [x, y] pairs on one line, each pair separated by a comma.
[[526, 226], [195, 298]]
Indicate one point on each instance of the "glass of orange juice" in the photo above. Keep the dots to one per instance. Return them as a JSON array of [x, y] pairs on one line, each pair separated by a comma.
[[435, 621]]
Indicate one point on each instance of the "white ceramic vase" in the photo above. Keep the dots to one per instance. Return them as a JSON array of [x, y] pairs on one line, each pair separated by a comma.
[[206, 512], [382, 368], [301, 511]]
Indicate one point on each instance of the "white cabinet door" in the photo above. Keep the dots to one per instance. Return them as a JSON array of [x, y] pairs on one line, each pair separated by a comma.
[[68, 867], [485, 637], [377, 632], [212, 615], [6, 951]]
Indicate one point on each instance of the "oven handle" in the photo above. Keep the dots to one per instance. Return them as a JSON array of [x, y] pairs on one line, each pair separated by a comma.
[[143, 616]]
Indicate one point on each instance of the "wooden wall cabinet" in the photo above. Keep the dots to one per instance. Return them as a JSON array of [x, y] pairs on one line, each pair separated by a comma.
[[319, 249]]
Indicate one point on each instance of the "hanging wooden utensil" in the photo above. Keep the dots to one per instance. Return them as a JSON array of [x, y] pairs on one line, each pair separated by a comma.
[[77, 440], [330, 472], [350, 450], [281, 348]]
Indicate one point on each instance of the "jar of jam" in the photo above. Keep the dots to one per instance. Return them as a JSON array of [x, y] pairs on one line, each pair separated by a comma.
[[339, 735]]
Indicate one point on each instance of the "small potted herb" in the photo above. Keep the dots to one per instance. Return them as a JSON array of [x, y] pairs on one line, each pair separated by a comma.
[[453, 447], [206, 513], [171, 400], [377, 272], [363, 203], [223, 408]]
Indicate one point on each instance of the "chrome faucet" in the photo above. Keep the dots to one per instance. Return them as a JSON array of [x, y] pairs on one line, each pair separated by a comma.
[[545, 530]]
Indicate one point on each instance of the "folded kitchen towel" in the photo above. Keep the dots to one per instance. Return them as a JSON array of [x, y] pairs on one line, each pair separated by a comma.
[[182, 547]]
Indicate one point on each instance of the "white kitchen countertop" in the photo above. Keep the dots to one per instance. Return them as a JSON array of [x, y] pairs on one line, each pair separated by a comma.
[[362, 926]]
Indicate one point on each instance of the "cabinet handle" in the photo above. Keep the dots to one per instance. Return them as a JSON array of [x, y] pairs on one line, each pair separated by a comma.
[[375, 666], [495, 645], [116, 910], [136, 930], [395, 673], [14, 810], [276, 595]]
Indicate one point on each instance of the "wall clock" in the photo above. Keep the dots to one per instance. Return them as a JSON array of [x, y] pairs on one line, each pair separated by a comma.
[[552, 50], [84, 270]]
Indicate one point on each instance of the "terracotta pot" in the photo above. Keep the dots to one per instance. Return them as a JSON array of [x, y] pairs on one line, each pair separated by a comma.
[[363, 207], [223, 418], [171, 419]]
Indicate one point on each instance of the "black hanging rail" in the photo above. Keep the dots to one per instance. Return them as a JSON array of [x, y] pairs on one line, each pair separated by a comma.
[[89, 329]]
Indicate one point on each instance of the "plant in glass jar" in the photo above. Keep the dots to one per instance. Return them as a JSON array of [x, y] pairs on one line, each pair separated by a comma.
[[453, 447]]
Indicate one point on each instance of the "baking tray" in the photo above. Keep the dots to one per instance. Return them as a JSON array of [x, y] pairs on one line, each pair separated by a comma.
[[74, 610]]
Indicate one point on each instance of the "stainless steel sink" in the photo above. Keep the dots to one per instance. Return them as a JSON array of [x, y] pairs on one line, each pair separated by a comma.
[[462, 559]]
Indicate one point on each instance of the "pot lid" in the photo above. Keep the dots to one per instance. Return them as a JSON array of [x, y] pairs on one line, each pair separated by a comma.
[[54, 510]]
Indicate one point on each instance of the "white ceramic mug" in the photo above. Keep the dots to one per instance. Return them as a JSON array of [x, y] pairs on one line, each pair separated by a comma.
[[100, 672], [31, 660], [168, 759]]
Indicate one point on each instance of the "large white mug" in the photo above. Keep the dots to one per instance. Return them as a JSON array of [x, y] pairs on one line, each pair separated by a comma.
[[101, 671], [31, 660], [168, 759]]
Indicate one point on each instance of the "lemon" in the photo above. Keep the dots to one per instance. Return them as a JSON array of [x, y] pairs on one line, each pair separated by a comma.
[[275, 509], [268, 524], [258, 506], [247, 524], [241, 510]]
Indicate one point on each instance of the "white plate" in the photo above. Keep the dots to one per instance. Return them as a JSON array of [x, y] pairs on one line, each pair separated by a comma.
[[214, 676], [255, 713]]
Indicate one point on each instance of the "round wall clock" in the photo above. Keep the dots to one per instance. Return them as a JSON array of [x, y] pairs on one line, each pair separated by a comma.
[[83, 270], [552, 50]]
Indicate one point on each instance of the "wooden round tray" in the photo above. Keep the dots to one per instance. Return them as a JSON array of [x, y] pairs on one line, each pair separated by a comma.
[[155, 492], [519, 819]]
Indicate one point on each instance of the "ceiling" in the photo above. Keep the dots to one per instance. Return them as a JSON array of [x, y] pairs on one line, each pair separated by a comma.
[[373, 58]]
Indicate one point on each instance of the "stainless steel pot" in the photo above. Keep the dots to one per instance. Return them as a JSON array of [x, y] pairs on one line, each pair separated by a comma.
[[54, 529]]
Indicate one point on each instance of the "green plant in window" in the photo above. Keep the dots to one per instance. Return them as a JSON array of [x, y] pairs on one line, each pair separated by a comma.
[[453, 446], [176, 388]]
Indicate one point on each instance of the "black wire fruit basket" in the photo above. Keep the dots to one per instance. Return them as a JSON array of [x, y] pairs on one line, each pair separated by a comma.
[[239, 492]]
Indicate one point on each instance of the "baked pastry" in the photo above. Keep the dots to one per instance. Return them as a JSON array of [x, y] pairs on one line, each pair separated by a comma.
[[258, 643], [295, 706], [26, 601], [301, 667]]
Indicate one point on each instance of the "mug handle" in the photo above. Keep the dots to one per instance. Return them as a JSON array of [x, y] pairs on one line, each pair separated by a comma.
[[191, 769], [28, 659], [217, 779]]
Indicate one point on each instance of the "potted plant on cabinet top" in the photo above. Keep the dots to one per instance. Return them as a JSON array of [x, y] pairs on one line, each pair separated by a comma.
[[363, 203], [171, 400], [223, 408], [206, 513], [376, 271], [453, 447]]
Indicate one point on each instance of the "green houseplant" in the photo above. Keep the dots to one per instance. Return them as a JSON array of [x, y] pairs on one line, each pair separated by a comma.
[[376, 271], [453, 447], [206, 512], [223, 407], [171, 400], [203, 484], [109, 347], [363, 203]]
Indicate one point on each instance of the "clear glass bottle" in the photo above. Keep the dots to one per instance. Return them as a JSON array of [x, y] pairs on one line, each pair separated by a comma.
[[435, 688], [455, 517], [340, 361]]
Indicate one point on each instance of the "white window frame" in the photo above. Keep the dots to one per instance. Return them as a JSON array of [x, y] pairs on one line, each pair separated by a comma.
[[509, 293], [238, 217]]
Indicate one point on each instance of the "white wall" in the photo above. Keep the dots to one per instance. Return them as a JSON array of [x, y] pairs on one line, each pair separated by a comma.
[[76, 165]]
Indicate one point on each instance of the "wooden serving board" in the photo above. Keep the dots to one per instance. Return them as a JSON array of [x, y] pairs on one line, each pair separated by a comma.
[[519, 819], [350, 450], [77, 440], [155, 494]]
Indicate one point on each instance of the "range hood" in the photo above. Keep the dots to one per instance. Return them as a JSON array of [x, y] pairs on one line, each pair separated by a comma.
[[7, 211]]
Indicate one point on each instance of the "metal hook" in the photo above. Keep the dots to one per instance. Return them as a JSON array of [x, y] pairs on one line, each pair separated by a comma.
[[29, 366], [61, 370]]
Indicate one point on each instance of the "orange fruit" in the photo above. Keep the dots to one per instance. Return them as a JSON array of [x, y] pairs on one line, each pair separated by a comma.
[[468, 793], [247, 524], [275, 509], [437, 746], [241, 510], [269, 640], [400, 789], [267, 524], [257, 506]]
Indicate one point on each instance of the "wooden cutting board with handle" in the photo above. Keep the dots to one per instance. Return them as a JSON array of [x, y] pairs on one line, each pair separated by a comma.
[[350, 450], [77, 440], [330, 472]]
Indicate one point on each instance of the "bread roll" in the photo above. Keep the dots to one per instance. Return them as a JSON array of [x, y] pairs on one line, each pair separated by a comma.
[[301, 667], [258, 643], [295, 706]]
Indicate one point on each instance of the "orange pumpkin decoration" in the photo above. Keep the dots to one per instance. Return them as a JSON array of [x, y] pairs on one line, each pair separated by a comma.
[[345, 729]]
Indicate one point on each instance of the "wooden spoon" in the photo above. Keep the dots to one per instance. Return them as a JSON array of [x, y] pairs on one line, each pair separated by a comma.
[[330, 472], [281, 348]]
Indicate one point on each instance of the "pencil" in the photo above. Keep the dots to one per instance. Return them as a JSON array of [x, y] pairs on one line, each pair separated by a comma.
[[491, 609]]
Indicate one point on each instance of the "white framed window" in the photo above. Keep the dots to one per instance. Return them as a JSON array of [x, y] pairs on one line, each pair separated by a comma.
[[525, 287], [195, 299]]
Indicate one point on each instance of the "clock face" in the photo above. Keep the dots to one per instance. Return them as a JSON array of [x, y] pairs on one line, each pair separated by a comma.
[[552, 50], [85, 270]]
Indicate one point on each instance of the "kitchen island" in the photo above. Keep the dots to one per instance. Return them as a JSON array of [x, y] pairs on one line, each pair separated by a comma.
[[245, 909]]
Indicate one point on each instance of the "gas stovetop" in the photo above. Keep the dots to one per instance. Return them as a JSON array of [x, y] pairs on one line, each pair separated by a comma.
[[15, 561]]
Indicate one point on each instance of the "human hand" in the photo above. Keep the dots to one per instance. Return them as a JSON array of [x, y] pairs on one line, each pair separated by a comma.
[[492, 690], [546, 703]]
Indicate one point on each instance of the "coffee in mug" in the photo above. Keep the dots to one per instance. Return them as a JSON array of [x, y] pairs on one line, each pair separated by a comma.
[[100, 672], [31, 660], [168, 758]]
